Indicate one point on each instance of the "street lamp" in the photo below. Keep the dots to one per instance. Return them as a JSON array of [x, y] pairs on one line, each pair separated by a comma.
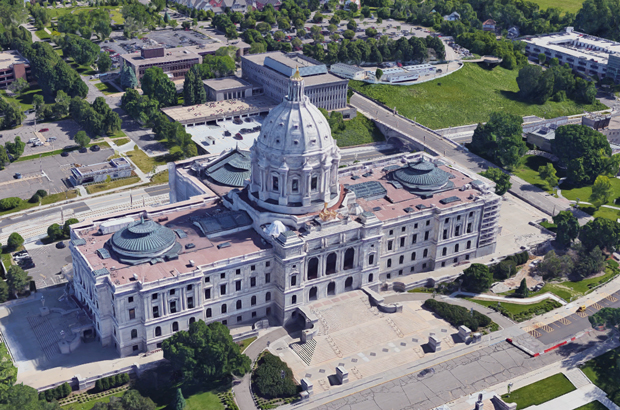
[[509, 387]]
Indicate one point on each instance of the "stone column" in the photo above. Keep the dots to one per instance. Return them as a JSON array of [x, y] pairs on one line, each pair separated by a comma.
[[164, 307], [147, 311]]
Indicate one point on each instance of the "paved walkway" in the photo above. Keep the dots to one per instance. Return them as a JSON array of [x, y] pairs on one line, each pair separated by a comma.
[[517, 301]]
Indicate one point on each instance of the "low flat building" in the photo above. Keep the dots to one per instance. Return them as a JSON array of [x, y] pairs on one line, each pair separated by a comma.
[[228, 88], [272, 71], [596, 121], [211, 48], [115, 168], [13, 66], [542, 133], [173, 61], [349, 71]]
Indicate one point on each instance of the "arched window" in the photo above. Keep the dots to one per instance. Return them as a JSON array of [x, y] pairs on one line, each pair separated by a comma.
[[295, 186], [456, 247], [209, 314], [401, 259], [157, 331], [224, 308], [413, 256], [331, 288], [468, 244], [134, 333], [313, 268], [348, 284], [192, 320], [293, 280], [267, 296], [371, 277], [330, 267], [293, 299], [175, 326], [253, 301], [313, 293], [349, 257], [389, 263], [239, 305], [444, 251]]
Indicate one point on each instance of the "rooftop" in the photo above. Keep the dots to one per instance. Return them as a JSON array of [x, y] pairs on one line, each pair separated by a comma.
[[187, 225], [117, 163], [226, 83], [218, 109], [8, 58], [312, 71], [171, 54]]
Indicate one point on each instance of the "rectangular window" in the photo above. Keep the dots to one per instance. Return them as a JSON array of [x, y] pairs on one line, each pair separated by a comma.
[[190, 303], [293, 280], [267, 264], [223, 275], [155, 312], [238, 285], [207, 279], [222, 290], [469, 227], [314, 183], [295, 185], [238, 272], [403, 229], [402, 241], [415, 226], [428, 223], [130, 299], [208, 293], [154, 296], [253, 267], [445, 234], [414, 238], [189, 287], [371, 259], [252, 282], [457, 231], [426, 235], [132, 314], [173, 307], [389, 245]]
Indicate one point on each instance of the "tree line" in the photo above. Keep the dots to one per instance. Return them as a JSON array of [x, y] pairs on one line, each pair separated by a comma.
[[557, 82]]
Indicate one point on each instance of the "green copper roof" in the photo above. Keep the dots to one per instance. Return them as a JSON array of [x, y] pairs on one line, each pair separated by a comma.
[[422, 175], [231, 170], [143, 238]]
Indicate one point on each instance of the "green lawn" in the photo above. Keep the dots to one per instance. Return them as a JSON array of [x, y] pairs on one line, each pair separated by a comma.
[[143, 161], [572, 6], [540, 392], [359, 130], [25, 99], [50, 199], [42, 34], [89, 404], [117, 17], [117, 183], [468, 96], [595, 405], [603, 371], [528, 171], [518, 312], [243, 344], [567, 290], [106, 88], [583, 193], [121, 141], [159, 178]]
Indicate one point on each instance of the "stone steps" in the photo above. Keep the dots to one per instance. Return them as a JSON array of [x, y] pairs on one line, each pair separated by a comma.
[[577, 378], [305, 350], [46, 336]]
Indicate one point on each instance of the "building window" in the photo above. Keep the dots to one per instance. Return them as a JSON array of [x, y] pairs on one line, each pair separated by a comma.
[[412, 269], [370, 277], [223, 289], [403, 229], [424, 266], [415, 226], [130, 299], [371, 259], [189, 287], [208, 293], [389, 245], [172, 291], [445, 234], [134, 334], [239, 305], [223, 275], [401, 259], [175, 326], [192, 320], [155, 312], [426, 234], [252, 282], [349, 258], [253, 267], [391, 231], [190, 303], [207, 279], [267, 311], [313, 268], [267, 277], [428, 223], [239, 318], [467, 257], [238, 272], [157, 331], [294, 280], [295, 185], [173, 307], [444, 251], [253, 301], [414, 238], [267, 296], [389, 263], [313, 293], [425, 254], [209, 314], [469, 227], [471, 214], [443, 264], [314, 182], [132, 314], [154, 296], [267, 264], [402, 241], [135, 348], [238, 285], [253, 314], [224, 308], [468, 244], [413, 256], [294, 299], [330, 266], [456, 248]]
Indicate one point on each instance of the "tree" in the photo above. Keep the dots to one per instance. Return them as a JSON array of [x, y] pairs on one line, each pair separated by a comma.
[[554, 266], [205, 352], [15, 148], [38, 103], [178, 403], [273, 378], [156, 84], [186, 25], [567, 227], [542, 58], [548, 173], [500, 139], [18, 86], [4, 296], [132, 400], [477, 278], [601, 191], [370, 32], [4, 157], [348, 34], [584, 151], [13, 114], [378, 74], [61, 108], [501, 179], [66, 228], [82, 139], [17, 279], [8, 372], [590, 262], [104, 62], [20, 396], [128, 77], [609, 317], [54, 232], [522, 291], [15, 241], [600, 232]]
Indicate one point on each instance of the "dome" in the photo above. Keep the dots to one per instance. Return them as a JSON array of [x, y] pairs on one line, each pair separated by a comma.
[[422, 175], [142, 239]]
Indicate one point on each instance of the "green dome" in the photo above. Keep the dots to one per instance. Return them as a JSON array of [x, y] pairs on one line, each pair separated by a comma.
[[143, 239], [422, 175]]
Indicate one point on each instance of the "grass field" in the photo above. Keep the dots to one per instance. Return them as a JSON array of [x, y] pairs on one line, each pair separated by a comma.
[[359, 130], [121, 141], [595, 405], [50, 199], [159, 178], [104, 186], [540, 392], [468, 96], [117, 17], [143, 161], [603, 371], [25, 99], [517, 312], [528, 171], [42, 34], [572, 6], [106, 88], [243, 344], [584, 193]]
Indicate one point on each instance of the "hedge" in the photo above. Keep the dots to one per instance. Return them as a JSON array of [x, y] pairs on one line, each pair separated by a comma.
[[56, 393], [458, 315], [273, 378], [111, 382]]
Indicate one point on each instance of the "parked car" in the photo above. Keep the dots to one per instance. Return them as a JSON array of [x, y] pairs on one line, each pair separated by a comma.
[[44, 129], [17, 175], [238, 136], [64, 154], [95, 148], [61, 245], [83, 150]]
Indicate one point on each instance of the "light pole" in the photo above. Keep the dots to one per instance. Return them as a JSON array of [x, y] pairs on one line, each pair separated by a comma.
[[509, 387]]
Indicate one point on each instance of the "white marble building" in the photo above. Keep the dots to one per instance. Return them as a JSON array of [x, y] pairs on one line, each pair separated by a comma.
[[257, 235]]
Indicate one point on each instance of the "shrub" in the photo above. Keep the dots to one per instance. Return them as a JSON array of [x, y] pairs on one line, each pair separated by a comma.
[[42, 193], [458, 315], [9, 203], [15, 241], [34, 199], [105, 383], [98, 385], [505, 269], [268, 378]]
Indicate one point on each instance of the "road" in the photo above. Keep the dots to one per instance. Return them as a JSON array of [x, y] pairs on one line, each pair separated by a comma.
[[459, 155]]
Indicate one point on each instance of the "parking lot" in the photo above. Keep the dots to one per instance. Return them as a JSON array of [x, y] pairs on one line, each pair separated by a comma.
[[169, 38], [48, 261], [59, 135], [55, 169]]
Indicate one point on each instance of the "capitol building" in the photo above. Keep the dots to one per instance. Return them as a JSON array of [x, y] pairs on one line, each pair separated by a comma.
[[259, 234]]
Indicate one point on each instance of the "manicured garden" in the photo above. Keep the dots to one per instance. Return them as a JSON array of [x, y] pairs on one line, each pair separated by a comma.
[[465, 97], [603, 371], [540, 392]]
